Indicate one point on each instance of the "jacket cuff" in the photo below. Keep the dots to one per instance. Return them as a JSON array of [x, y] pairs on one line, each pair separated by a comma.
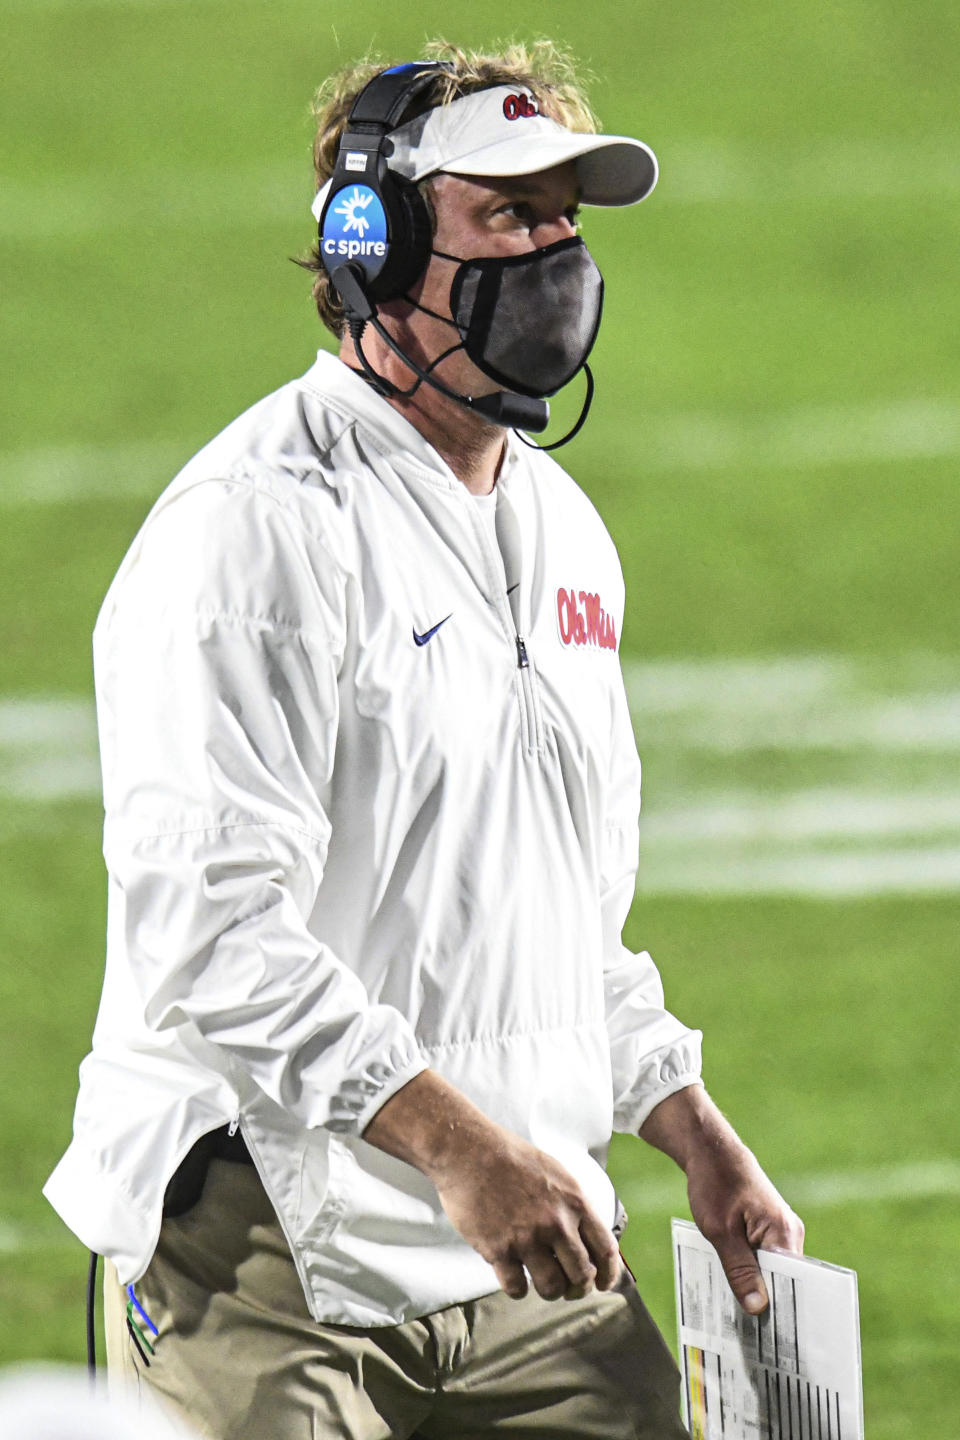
[[360, 1096], [662, 1074]]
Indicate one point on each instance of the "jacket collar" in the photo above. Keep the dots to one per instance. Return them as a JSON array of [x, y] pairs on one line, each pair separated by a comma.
[[342, 388]]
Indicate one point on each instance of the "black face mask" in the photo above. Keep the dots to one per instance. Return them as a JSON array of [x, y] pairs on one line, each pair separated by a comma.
[[528, 321]]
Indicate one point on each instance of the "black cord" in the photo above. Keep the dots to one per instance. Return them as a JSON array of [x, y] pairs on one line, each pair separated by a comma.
[[91, 1314], [579, 425]]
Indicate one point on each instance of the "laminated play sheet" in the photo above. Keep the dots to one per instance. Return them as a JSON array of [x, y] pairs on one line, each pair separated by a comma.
[[792, 1373]]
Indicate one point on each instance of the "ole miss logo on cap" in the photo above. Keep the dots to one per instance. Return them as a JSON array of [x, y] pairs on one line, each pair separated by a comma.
[[520, 107], [582, 620]]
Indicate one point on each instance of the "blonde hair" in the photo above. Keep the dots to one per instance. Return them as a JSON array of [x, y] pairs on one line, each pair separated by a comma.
[[542, 67]]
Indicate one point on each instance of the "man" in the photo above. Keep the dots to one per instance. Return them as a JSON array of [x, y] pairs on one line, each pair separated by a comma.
[[371, 795]]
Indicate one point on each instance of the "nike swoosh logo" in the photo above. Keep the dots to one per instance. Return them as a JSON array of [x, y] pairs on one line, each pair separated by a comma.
[[429, 634]]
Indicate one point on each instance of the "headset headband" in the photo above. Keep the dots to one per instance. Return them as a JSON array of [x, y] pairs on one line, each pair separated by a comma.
[[384, 98]]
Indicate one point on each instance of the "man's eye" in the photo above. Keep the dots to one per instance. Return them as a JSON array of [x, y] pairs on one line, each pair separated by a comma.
[[527, 215]]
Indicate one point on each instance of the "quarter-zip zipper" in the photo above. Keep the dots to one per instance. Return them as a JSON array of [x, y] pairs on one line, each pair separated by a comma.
[[509, 544], [530, 730], [530, 726], [529, 709]]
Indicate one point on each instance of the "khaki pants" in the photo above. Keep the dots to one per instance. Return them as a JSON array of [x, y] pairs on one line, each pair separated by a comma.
[[239, 1357]]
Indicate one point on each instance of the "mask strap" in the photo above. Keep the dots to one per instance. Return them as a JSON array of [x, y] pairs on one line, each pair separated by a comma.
[[588, 401], [442, 356], [432, 313], [380, 383], [441, 255]]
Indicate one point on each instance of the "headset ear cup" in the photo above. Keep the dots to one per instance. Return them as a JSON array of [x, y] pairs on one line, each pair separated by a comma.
[[411, 238]]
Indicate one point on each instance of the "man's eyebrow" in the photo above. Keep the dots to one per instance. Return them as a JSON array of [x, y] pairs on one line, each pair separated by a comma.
[[527, 187]]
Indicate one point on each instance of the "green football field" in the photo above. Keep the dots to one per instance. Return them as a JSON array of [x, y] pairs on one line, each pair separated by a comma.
[[774, 445]]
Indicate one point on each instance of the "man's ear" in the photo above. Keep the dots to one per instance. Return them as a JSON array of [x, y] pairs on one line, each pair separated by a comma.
[[426, 190]]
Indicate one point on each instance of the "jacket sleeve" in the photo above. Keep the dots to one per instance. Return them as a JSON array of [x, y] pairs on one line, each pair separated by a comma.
[[652, 1053], [216, 658]]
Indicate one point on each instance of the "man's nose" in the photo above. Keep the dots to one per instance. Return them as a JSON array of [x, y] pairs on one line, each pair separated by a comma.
[[549, 232]]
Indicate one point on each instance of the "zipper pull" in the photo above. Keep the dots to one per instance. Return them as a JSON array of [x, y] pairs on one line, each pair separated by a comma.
[[523, 662], [233, 1127]]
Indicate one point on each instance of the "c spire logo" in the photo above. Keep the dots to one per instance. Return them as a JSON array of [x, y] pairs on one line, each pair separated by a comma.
[[355, 226], [358, 201]]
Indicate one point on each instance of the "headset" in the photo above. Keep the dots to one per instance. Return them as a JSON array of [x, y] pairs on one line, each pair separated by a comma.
[[375, 220]]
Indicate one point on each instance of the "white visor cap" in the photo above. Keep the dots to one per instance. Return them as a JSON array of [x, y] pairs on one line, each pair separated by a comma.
[[500, 132]]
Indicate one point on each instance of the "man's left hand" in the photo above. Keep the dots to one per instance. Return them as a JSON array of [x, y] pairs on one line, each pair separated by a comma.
[[733, 1203]]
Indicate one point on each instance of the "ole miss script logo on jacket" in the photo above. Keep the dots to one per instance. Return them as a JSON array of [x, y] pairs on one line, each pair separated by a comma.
[[583, 621]]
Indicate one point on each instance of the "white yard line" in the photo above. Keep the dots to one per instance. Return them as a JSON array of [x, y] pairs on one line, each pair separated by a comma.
[[20, 1239], [54, 474], [819, 1189], [75, 208], [915, 723], [802, 439], [31, 725], [48, 749], [794, 703], [887, 828], [817, 874], [805, 815], [850, 433]]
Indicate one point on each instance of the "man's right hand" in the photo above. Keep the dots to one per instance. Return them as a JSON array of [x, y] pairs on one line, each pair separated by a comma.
[[518, 1207]]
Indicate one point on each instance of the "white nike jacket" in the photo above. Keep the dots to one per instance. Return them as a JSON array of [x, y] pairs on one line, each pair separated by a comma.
[[356, 827]]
